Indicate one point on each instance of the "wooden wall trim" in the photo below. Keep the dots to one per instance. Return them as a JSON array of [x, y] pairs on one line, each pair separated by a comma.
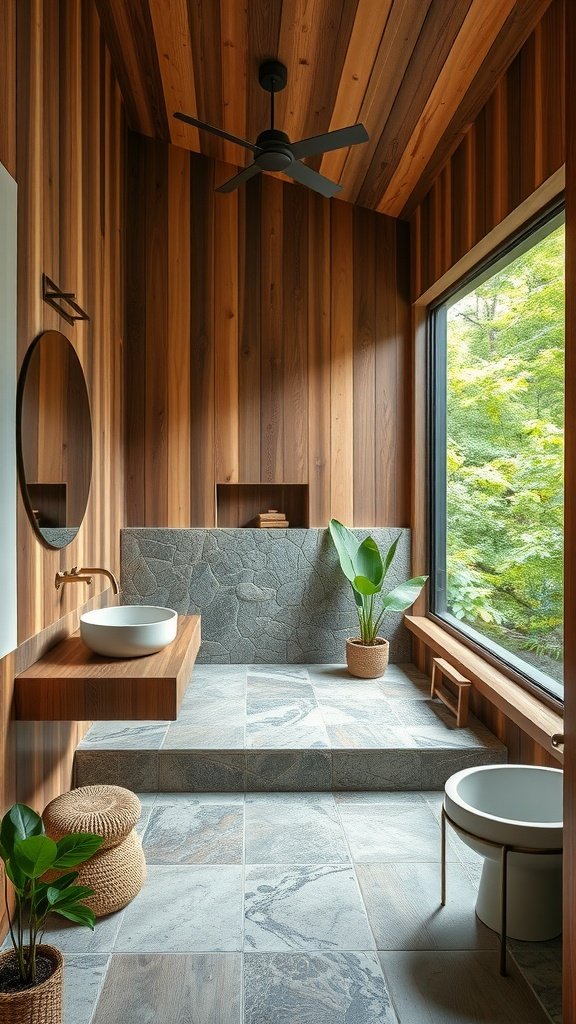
[[550, 190]]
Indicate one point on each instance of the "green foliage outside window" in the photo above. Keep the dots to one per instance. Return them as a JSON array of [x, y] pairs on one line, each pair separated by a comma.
[[505, 449]]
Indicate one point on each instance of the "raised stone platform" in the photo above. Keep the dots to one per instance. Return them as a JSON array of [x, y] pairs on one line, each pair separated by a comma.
[[265, 596], [290, 728]]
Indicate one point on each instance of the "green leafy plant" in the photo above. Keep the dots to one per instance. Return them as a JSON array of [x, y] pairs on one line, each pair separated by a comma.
[[366, 570], [28, 853]]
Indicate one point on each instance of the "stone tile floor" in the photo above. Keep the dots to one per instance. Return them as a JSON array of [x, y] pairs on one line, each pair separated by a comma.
[[290, 727], [302, 908]]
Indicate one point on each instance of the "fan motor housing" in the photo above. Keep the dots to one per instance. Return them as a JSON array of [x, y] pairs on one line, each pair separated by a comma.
[[276, 154]]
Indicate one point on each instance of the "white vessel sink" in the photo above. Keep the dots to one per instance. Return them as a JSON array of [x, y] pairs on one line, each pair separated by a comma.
[[128, 631]]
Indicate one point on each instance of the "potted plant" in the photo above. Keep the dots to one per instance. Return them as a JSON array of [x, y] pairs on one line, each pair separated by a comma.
[[31, 973], [366, 569]]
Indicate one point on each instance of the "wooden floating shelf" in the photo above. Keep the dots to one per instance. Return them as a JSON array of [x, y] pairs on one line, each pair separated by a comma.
[[71, 683]]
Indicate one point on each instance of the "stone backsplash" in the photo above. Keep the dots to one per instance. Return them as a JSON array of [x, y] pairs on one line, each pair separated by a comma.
[[265, 596]]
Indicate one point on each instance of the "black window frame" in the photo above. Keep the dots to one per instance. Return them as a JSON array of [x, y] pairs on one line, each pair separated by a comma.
[[528, 236]]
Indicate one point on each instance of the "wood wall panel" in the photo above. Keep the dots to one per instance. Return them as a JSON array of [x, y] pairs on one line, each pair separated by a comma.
[[64, 142], [294, 338], [515, 142]]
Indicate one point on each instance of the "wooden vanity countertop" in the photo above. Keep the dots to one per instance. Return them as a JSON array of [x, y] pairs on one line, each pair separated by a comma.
[[71, 683]]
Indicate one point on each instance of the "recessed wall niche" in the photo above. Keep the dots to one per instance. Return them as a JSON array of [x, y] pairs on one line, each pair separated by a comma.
[[239, 504]]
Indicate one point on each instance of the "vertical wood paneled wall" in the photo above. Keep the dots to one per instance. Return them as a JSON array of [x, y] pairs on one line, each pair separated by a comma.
[[267, 341], [63, 141], [515, 144]]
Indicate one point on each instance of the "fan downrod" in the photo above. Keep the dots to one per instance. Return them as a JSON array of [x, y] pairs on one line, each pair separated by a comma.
[[273, 75]]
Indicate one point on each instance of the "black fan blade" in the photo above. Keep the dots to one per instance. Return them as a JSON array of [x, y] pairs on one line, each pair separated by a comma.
[[239, 179], [188, 119], [306, 176], [338, 139]]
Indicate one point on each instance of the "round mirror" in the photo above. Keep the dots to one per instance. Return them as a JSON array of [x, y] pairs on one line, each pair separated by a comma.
[[54, 435]]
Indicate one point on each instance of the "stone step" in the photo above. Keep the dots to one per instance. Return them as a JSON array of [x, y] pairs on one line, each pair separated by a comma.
[[290, 728]]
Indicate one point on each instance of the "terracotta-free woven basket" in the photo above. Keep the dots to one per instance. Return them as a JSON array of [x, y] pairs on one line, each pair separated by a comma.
[[41, 1004], [367, 661], [116, 875], [108, 811]]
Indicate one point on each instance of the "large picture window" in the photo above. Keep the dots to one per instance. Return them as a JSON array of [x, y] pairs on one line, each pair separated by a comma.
[[498, 451]]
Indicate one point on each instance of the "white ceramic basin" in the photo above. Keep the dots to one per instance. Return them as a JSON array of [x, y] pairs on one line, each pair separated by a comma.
[[128, 631]]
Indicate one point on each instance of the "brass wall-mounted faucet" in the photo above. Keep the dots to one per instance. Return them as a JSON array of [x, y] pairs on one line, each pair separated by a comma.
[[77, 575]]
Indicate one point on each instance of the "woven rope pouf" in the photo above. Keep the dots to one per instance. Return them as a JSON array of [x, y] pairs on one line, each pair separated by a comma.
[[117, 871]]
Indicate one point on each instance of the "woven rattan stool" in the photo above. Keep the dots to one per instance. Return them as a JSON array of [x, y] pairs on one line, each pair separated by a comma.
[[117, 871]]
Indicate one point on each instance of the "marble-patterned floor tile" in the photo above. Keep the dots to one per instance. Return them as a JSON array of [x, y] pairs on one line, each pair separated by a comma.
[[445, 735], [83, 980], [385, 833], [427, 712], [294, 829], [343, 689], [288, 771], [403, 905], [184, 908], [458, 987], [171, 989], [187, 735], [142, 823], [278, 724], [75, 938], [376, 769], [339, 711], [388, 799], [192, 771], [541, 965], [315, 988], [278, 672], [311, 908], [281, 690], [195, 833], [367, 737], [228, 693], [125, 736], [213, 711]]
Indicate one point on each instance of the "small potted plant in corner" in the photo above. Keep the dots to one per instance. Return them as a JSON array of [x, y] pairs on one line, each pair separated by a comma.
[[31, 973], [366, 569]]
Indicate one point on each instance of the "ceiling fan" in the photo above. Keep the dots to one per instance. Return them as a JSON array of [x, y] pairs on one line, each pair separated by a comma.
[[273, 150]]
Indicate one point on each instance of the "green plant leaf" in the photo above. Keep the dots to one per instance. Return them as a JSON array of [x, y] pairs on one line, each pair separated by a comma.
[[368, 563], [64, 880], [362, 585], [390, 556], [346, 544], [35, 855], [20, 822], [67, 897], [77, 913], [403, 596], [76, 848], [16, 876]]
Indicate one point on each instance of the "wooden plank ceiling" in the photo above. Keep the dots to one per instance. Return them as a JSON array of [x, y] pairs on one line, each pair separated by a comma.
[[415, 72]]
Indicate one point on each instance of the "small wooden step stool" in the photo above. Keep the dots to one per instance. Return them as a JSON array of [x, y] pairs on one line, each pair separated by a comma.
[[456, 702]]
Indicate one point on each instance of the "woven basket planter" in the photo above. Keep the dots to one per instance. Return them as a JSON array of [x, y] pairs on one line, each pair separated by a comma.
[[41, 1004], [367, 661]]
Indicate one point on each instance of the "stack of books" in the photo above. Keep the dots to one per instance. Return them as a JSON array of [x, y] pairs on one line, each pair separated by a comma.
[[272, 519]]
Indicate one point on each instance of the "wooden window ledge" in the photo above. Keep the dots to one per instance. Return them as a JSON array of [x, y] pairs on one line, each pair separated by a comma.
[[519, 705]]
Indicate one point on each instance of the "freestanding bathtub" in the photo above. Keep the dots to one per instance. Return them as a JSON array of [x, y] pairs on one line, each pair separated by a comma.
[[513, 806]]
